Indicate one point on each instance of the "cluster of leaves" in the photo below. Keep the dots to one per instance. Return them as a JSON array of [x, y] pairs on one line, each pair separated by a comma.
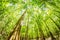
[[43, 19]]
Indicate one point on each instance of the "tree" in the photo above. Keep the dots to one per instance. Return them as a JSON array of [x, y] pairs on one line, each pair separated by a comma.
[[41, 15]]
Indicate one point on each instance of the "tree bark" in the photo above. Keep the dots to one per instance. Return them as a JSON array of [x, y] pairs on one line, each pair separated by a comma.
[[15, 34]]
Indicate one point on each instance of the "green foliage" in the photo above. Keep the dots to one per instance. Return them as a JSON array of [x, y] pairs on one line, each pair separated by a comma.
[[42, 17]]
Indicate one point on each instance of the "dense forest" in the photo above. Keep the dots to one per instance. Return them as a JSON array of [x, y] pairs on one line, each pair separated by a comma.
[[29, 19]]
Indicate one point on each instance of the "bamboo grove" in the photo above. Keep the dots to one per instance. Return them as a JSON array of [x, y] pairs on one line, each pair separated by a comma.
[[29, 19]]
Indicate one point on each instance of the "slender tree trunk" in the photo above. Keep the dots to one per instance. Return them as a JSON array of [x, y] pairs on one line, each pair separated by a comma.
[[15, 34]]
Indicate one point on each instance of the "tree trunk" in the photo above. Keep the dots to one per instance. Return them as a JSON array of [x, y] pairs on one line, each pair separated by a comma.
[[15, 34]]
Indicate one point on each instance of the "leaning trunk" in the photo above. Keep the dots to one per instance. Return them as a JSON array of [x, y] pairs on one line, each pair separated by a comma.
[[15, 34]]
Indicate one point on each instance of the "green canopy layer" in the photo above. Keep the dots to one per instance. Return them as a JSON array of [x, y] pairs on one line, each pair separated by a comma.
[[41, 18]]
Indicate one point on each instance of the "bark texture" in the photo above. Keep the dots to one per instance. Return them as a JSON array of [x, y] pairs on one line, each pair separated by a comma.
[[15, 34]]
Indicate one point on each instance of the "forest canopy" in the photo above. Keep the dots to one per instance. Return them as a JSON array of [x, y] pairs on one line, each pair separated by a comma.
[[29, 19]]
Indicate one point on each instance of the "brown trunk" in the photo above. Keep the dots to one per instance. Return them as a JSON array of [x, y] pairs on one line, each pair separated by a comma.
[[15, 34]]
